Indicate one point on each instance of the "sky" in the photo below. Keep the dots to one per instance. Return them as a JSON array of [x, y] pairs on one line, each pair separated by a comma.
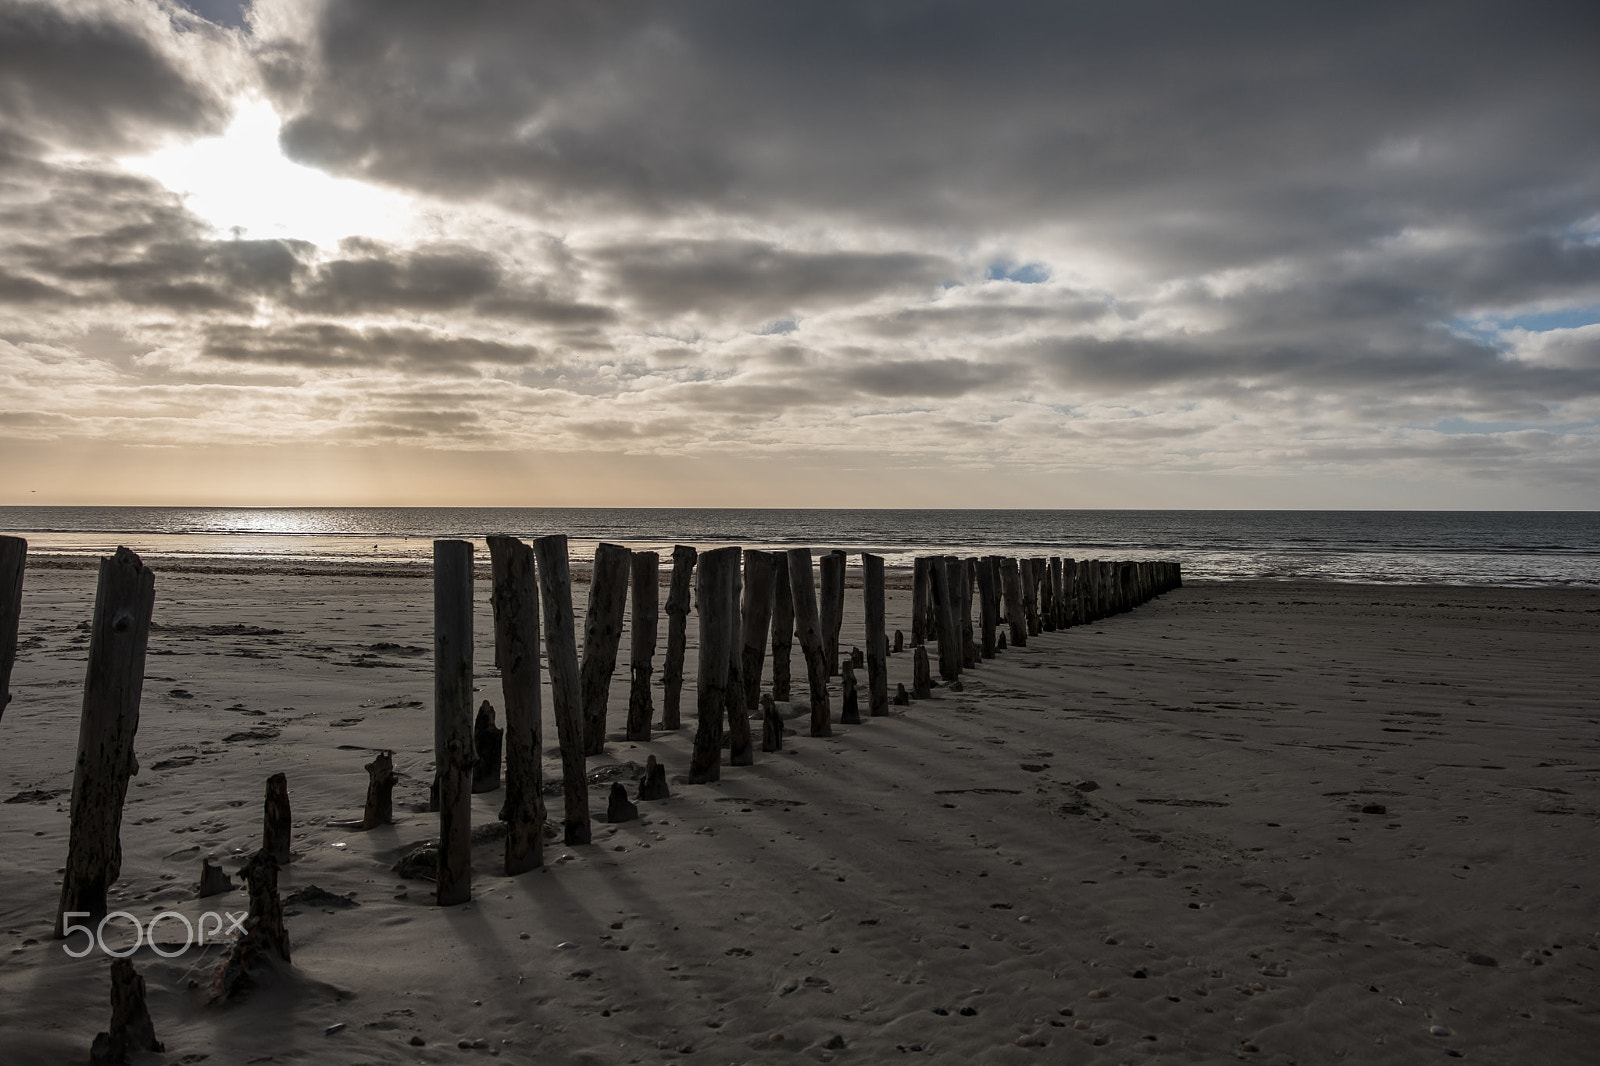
[[880, 253]]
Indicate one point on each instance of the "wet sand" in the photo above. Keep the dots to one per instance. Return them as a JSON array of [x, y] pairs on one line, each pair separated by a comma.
[[1287, 823]]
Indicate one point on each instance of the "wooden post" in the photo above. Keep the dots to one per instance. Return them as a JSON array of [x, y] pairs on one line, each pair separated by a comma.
[[760, 572], [782, 628], [850, 704], [452, 716], [809, 628], [618, 807], [899, 642], [641, 654], [653, 786], [988, 606], [602, 632], [969, 648], [214, 880], [830, 606], [379, 809], [1057, 597], [1029, 572], [131, 1030], [561, 656], [1011, 584], [276, 821], [488, 741], [741, 749], [264, 931], [1047, 595], [919, 600], [515, 598], [877, 638], [902, 698], [945, 574], [678, 597], [112, 684], [921, 675], [771, 725], [718, 625], [13, 560]]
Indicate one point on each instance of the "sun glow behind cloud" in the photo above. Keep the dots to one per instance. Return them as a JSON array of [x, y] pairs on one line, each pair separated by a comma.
[[241, 181]]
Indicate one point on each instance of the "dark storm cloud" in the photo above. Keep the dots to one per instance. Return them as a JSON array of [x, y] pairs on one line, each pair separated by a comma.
[[96, 76], [757, 278], [942, 378], [424, 280], [331, 345], [963, 112]]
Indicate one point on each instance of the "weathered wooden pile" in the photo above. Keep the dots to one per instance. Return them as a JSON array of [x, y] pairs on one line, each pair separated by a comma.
[[744, 599]]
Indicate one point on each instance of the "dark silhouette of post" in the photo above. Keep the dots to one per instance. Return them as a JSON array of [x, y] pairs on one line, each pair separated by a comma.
[[760, 572], [809, 628], [678, 597], [602, 632], [919, 600], [642, 651], [277, 822], [714, 577], [561, 657], [113, 681], [452, 716], [877, 636], [515, 599], [830, 605], [741, 749], [1011, 585], [988, 604], [782, 628], [13, 560]]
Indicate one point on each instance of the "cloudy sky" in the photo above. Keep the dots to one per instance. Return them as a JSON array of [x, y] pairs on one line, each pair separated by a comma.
[[736, 252]]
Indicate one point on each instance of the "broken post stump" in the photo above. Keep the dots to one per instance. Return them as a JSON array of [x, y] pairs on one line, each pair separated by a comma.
[[131, 1030], [487, 740], [877, 650], [646, 582], [13, 560], [214, 880], [718, 618], [808, 627], [678, 597], [850, 709], [276, 823], [654, 784], [899, 642], [515, 599], [602, 632], [265, 934], [782, 629], [619, 808], [452, 716], [113, 681], [379, 809], [561, 656], [771, 725], [921, 675], [902, 698]]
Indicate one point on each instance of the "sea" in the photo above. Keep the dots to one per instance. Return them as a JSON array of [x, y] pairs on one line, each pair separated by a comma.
[[1509, 548]]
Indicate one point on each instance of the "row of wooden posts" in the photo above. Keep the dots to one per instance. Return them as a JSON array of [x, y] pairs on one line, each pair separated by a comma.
[[742, 598]]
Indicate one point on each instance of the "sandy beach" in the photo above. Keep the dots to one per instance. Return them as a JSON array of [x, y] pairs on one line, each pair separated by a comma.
[[1283, 823]]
